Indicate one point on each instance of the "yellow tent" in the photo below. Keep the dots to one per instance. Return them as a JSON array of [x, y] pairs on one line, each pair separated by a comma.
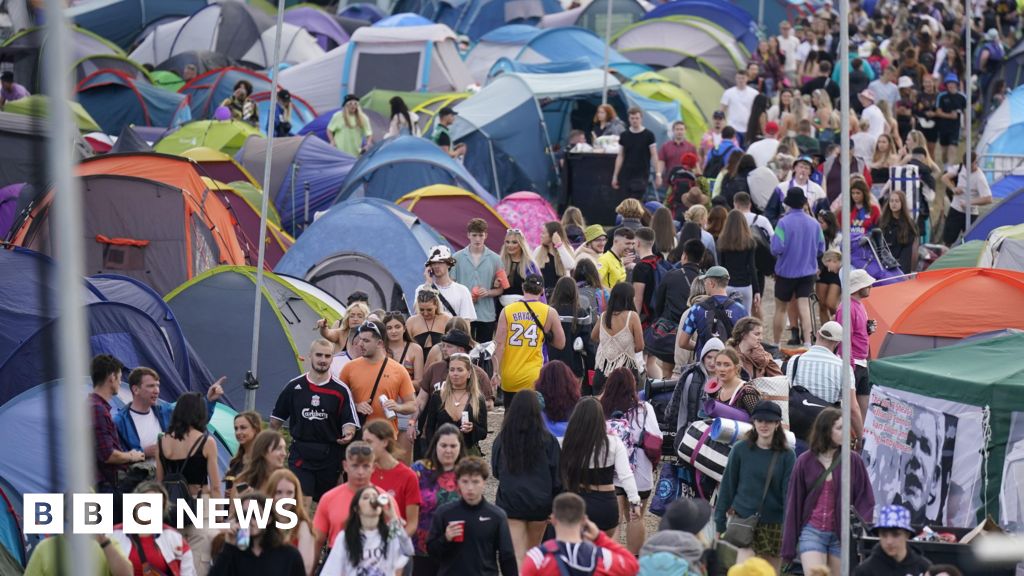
[[656, 87]]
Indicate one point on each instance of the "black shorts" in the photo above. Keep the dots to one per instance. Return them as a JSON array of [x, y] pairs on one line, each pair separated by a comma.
[[788, 288], [602, 508], [956, 222], [930, 134], [644, 494], [316, 465], [861, 380], [826, 277], [949, 137]]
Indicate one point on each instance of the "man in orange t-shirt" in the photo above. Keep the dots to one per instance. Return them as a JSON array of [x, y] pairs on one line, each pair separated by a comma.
[[375, 375], [332, 511]]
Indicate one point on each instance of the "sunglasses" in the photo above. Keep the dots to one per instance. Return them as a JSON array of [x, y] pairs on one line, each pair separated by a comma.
[[368, 326], [512, 231], [358, 450], [461, 355]]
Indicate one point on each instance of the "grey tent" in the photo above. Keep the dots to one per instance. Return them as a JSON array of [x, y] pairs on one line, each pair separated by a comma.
[[23, 141], [130, 141], [25, 51], [219, 303]]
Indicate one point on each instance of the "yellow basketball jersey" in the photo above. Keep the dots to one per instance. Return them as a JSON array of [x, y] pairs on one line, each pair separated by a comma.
[[524, 345]]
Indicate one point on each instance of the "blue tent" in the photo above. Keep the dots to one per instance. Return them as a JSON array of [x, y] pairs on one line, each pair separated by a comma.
[[29, 330], [207, 91], [1007, 186], [318, 126], [361, 11], [401, 20], [116, 100], [334, 254], [505, 65], [305, 176], [121, 21], [506, 141], [397, 166], [12, 533], [733, 18], [527, 44], [1009, 212]]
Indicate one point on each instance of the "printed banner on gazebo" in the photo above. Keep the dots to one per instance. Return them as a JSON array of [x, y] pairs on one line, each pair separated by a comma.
[[925, 454]]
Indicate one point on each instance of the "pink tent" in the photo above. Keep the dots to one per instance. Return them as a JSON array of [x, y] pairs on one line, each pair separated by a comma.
[[528, 212]]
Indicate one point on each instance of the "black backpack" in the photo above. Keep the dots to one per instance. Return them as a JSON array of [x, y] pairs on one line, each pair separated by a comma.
[[716, 160], [686, 398], [174, 480], [717, 323], [764, 260]]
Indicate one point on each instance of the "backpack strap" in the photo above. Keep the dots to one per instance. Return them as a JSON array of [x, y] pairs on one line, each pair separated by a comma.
[[192, 451], [796, 364]]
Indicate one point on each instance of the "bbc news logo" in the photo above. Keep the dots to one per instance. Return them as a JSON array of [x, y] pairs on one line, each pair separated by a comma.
[[44, 514]]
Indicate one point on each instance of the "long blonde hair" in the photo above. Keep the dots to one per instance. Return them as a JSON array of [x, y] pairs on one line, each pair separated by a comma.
[[472, 385], [916, 139], [360, 123], [346, 331], [525, 256]]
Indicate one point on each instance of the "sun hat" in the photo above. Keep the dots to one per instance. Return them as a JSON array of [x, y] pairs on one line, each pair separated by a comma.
[[951, 78], [593, 232], [441, 254], [767, 411], [859, 280], [904, 82], [868, 94]]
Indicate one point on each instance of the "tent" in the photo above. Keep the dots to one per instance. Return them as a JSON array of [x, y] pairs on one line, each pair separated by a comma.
[[529, 45], [215, 310], [118, 322], [1004, 249], [1008, 212], [221, 167], [147, 216], [208, 90], [14, 543], [1011, 70], [397, 166], [38, 106], [322, 26], [23, 140], [96, 62], [121, 21], [447, 209], [24, 51], [428, 110], [116, 101], [682, 41], [506, 140], [592, 16], [952, 304], [1002, 142], [130, 141], [380, 100], [305, 176], [362, 11], [653, 85], [245, 215], [945, 431], [233, 29], [8, 206], [705, 89], [527, 211], [203, 60], [226, 136], [333, 253], [402, 20], [728, 15], [415, 58], [475, 18], [305, 287]]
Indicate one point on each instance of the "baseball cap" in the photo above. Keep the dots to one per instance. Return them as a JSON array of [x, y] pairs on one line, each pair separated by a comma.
[[894, 516], [771, 128], [715, 272], [446, 111], [831, 330], [349, 98], [718, 114]]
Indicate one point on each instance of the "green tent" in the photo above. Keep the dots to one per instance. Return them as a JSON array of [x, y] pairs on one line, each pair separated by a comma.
[[39, 107], [1004, 248], [657, 87], [969, 392], [227, 136], [167, 80], [705, 90], [254, 196], [380, 100], [964, 255]]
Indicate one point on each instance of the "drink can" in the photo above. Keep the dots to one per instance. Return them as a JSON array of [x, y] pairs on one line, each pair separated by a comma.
[[388, 413]]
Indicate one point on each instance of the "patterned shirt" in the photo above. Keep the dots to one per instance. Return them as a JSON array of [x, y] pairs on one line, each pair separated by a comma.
[[820, 371], [436, 490], [106, 441]]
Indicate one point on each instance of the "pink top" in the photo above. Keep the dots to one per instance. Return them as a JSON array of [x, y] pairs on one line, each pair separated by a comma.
[[823, 516], [859, 344]]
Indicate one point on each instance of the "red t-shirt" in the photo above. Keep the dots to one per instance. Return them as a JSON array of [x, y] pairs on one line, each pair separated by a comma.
[[401, 483], [154, 557], [332, 512]]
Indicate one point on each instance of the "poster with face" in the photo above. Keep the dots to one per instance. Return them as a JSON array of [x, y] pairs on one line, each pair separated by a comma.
[[925, 454]]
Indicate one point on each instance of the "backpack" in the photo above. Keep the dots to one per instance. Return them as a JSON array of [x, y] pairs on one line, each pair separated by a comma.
[[717, 158], [620, 426], [661, 267], [680, 180], [684, 408], [717, 323], [663, 563], [764, 260], [174, 481], [584, 550]]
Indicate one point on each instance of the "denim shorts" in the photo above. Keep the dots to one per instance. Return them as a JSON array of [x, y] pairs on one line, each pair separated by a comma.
[[814, 540]]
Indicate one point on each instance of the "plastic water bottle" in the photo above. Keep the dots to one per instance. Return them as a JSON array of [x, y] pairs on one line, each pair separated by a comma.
[[388, 413]]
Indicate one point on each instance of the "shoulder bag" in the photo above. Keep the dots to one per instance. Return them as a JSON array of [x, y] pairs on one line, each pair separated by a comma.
[[740, 531]]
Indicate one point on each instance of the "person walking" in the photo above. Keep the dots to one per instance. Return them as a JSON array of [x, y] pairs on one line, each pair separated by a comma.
[[478, 271], [820, 370], [736, 253], [619, 337], [455, 298], [637, 158], [797, 244], [381, 387], [436, 474], [373, 541], [392, 476], [458, 402]]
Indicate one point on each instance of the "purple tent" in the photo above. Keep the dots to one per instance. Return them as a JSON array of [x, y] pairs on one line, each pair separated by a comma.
[[362, 11], [8, 205], [321, 25]]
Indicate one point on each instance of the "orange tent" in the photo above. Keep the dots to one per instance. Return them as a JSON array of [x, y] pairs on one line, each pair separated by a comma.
[[148, 216], [948, 304]]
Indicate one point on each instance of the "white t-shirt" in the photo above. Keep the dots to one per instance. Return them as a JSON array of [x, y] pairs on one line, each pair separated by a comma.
[[338, 362], [738, 104], [147, 426], [763, 150], [789, 47], [863, 145], [885, 91], [377, 559], [979, 188], [873, 114], [459, 297], [756, 220]]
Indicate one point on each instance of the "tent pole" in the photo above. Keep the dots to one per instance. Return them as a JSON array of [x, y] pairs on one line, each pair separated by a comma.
[[970, 114], [252, 383], [607, 49], [760, 14], [847, 397], [73, 355]]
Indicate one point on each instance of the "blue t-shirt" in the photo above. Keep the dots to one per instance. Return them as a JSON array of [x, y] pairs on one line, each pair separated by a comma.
[[699, 316]]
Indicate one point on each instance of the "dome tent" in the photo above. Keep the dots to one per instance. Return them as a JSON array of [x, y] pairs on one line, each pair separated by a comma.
[[117, 101], [527, 211], [245, 216], [682, 40], [227, 136], [219, 302], [25, 49], [121, 21], [333, 253], [208, 90], [656, 87], [728, 15], [447, 209], [322, 26]]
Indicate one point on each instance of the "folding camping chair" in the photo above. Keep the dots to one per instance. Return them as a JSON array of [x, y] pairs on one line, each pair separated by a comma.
[[907, 179]]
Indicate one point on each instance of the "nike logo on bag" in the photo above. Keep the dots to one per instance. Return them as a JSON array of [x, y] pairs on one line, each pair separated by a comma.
[[806, 403], [484, 518]]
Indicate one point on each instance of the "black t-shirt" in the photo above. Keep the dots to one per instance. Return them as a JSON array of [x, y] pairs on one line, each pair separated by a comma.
[[949, 102], [315, 413], [636, 153], [283, 560], [442, 137], [644, 272]]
